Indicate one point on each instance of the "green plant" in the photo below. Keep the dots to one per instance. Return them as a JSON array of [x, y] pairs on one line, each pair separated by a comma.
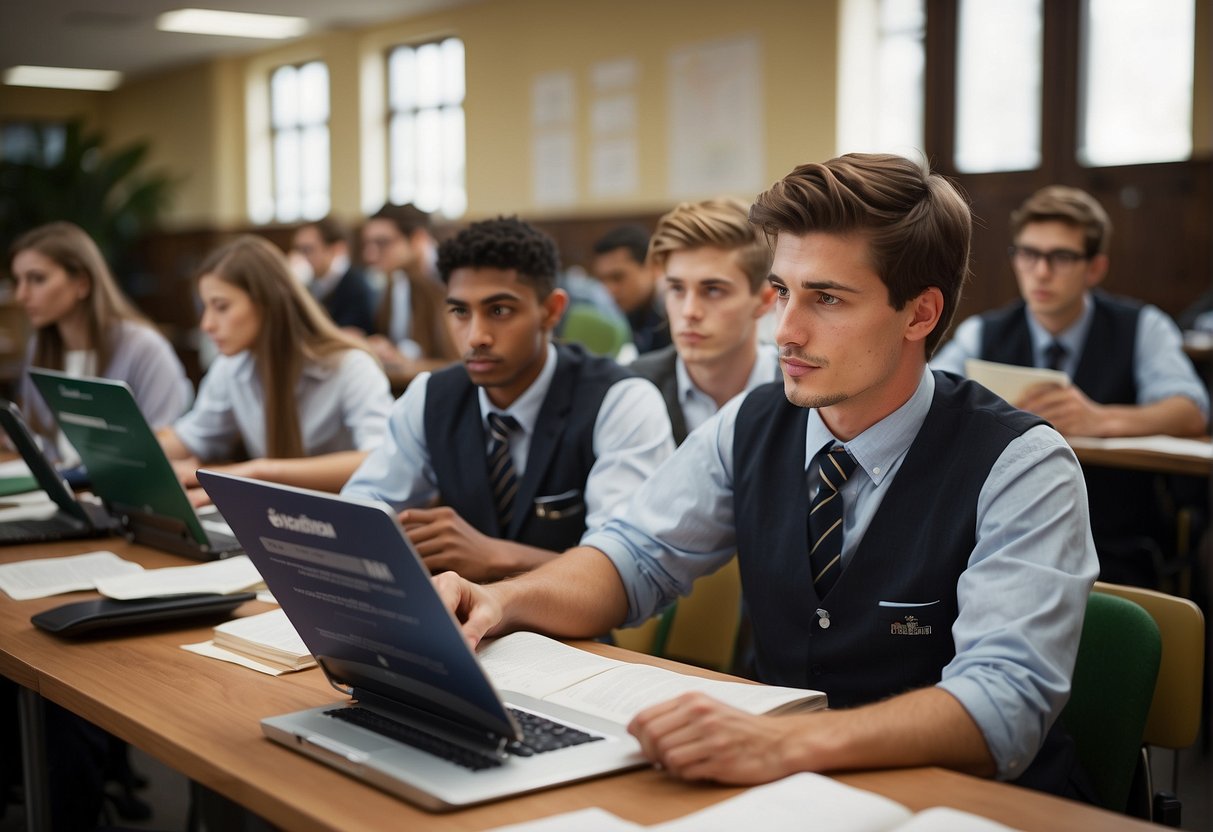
[[102, 190]]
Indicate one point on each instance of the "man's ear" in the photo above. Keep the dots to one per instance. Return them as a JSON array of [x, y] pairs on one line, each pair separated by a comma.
[[926, 311], [1097, 270], [553, 308], [766, 299]]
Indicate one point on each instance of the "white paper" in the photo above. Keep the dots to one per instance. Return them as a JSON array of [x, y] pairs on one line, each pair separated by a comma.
[[716, 138], [208, 649], [1200, 448], [582, 820], [14, 468], [30, 505], [614, 169], [234, 574], [945, 819], [51, 576], [608, 76], [553, 168], [537, 665], [271, 629], [613, 114], [1009, 380], [553, 99]]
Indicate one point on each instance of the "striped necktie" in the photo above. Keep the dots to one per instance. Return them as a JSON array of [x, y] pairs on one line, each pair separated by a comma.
[[831, 467], [502, 476]]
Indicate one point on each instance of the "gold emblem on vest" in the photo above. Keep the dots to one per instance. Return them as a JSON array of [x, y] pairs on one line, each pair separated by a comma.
[[910, 628]]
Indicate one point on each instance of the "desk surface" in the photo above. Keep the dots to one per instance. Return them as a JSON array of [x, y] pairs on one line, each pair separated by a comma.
[[201, 717], [1089, 452]]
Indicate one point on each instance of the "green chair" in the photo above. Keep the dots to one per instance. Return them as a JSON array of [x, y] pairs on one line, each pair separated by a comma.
[[585, 325], [1114, 679]]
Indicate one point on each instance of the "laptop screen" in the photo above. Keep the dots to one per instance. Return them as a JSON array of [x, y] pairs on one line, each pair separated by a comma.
[[45, 474], [126, 465], [360, 598]]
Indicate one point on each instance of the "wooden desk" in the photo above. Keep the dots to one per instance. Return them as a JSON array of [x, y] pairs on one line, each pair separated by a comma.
[[201, 717], [1089, 452]]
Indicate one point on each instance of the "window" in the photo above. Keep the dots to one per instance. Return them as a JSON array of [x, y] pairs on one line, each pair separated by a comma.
[[37, 143], [299, 127], [998, 94], [426, 155], [1137, 70]]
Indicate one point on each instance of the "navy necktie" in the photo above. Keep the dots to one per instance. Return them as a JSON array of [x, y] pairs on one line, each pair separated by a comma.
[[1055, 355], [831, 467], [502, 476]]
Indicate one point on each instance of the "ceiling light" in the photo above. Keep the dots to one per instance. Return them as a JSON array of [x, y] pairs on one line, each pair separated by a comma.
[[232, 24], [62, 77]]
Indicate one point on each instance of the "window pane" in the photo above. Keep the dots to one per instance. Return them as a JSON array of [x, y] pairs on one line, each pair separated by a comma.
[[403, 155], [402, 78], [286, 175], [998, 86], [284, 97], [429, 75], [1137, 82], [429, 152], [313, 93], [452, 71], [454, 193], [900, 64], [314, 161]]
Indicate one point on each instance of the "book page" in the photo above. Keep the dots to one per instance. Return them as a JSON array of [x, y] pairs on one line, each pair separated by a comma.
[[213, 651], [269, 631], [946, 819], [799, 802], [1011, 381], [582, 820], [536, 665], [621, 692], [51, 576], [222, 576]]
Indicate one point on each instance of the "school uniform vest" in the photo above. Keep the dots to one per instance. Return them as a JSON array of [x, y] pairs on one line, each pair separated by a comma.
[[1123, 503], [913, 553], [549, 508]]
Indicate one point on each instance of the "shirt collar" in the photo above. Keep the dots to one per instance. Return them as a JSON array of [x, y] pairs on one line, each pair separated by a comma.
[[766, 366], [1072, 337], [526, 407], [878, 448]]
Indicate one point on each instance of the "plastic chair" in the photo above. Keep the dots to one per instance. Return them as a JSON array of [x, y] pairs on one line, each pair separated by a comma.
[[1175, 710], [1113, 684], [601, 335]]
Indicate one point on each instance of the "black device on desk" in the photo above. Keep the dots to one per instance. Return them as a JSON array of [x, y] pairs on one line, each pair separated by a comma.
[[72, 518], [108, 613]]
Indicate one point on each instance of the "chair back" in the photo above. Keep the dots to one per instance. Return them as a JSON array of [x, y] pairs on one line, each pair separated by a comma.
[[585, 325], [1174, 720], [1113, 684]]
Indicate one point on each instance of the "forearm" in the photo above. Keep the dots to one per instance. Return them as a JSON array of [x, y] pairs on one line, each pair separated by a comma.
[[920, 728], [511, 558], [575, 595], [173, 447], [328, 472], [1173, 416]]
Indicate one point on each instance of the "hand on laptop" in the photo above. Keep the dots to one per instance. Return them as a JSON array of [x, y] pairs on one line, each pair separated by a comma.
[[475, 607], [187, 471]]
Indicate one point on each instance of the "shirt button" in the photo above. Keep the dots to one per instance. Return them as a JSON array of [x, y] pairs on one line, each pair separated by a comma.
[[876, 470]]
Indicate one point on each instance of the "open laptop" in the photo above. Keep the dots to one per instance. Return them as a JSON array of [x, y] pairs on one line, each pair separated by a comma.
[[424, 721], [68, 517], [127, 466]]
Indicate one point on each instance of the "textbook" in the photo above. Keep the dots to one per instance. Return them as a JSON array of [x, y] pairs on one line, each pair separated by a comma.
[[793, 804], [1010, 381], [546, 669], [267, 643]]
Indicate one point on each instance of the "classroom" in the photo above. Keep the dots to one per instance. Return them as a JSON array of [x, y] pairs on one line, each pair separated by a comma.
[[518, 304]]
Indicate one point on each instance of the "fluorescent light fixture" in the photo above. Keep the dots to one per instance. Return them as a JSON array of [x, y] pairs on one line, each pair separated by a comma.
[[232, 24], [61, 77]]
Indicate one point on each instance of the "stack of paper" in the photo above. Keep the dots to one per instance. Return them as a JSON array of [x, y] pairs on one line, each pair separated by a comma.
[[266, 643], [52, 576], [222, 576]]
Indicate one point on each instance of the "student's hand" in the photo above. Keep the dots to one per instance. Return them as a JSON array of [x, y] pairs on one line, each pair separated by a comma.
[[198, 496], [695, 737], [447, 542], [474, 606], [1066, 408], [187, 471]]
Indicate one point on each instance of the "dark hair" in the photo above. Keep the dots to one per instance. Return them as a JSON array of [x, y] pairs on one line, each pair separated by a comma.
[[407, 218], [632, 237], [503, 243], [329, 228], [917, 224], [1071, 206]]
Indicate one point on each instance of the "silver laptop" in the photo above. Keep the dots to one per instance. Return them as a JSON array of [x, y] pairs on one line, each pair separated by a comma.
[[423, 721], [127, 467]]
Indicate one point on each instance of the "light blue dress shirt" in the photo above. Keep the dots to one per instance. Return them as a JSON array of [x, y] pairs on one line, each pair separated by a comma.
[[1021, 599], [698, 406], [343, 406], [631, 438], [1161, 369]]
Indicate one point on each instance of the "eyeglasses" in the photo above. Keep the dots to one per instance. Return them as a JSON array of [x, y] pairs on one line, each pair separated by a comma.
[[1059, 259]]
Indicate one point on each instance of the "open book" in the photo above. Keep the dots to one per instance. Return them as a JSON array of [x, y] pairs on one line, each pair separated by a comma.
[[793, 804], [544, 668], [1010, 381], [267, 643]]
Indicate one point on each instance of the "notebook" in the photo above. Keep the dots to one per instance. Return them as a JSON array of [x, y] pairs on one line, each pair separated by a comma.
[[127, 466], [68, 518], [423, 720]]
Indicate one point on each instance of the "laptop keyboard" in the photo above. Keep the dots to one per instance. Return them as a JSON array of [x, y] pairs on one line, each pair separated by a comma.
[[539, 735]]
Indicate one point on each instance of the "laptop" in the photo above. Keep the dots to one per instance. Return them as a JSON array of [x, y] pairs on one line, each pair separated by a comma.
[[127, 466], [70, 518], [423, 720]]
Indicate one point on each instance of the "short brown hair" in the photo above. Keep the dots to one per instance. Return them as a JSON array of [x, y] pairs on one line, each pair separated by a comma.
[[329, 228], [917, 224], [1069, 205], [718, 223]]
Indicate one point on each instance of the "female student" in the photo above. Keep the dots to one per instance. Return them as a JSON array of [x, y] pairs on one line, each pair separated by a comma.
[[83, 325], [302, 400]]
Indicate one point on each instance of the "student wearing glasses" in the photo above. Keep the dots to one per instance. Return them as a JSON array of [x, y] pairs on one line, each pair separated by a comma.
[[1126, 359]]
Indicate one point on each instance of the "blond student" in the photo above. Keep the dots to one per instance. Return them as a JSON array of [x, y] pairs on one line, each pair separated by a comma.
[[84, 325], [289, 391]]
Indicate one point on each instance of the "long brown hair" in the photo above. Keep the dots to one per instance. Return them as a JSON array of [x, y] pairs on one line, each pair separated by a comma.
[[294, 330], [70, 248]]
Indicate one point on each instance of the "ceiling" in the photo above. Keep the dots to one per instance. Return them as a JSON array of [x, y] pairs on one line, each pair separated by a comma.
[[122, 34]]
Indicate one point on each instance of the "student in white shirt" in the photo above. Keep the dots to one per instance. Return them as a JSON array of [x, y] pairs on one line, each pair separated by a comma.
[[82, 324], [302, 400]]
